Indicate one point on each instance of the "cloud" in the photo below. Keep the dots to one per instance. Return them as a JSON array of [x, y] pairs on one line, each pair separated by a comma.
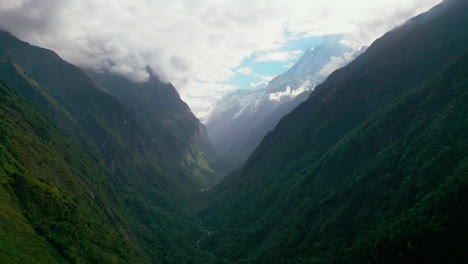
[[195, 44], [245, 70], [258, 84], [306, 86], [202, 95], [336, 63], [266, 78], [289, 65], [11, 4], [280, 56]]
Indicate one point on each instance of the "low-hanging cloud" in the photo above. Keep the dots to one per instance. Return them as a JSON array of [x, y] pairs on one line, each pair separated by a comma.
[[196, 44], [290, 93], [337, 62], [258, 84]]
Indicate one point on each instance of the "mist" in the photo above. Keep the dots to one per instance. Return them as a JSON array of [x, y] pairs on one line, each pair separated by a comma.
[[195, 44]]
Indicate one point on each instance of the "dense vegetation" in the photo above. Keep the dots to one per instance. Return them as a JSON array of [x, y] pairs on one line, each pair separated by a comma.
[[171, 124], [113, 130], [144, 189], [372, 168], [393, 190], [56, 205], [365, 157]]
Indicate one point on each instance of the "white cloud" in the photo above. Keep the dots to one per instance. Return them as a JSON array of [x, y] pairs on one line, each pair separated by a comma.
[[288, 93], [203, 94], [258, 84], [281, 56], [336, 63], [195, 44], [266, 78], [289, 65], [245, 70]]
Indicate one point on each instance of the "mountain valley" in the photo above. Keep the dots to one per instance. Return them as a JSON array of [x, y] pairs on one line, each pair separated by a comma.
[[364, 164]]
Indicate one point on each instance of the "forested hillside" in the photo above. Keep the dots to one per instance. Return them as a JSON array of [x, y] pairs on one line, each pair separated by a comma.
[[371, 168], [126, 201], [377, 148]]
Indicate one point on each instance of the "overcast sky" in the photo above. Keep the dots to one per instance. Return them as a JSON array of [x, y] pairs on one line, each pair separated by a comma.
[[201, 46]]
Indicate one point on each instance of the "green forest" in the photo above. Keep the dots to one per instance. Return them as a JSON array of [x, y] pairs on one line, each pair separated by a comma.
[[371, 168]]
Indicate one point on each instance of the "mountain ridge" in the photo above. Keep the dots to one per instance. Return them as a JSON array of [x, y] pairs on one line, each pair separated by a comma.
[[241, 119], [371, 168], [286, 182], [151, 187]]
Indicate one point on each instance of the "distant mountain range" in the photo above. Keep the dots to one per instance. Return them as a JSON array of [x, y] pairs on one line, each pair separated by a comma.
[[240, 120]]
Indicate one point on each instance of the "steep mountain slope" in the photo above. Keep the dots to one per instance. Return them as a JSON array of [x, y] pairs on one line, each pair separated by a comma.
[[241, 119], [56, 206], [16, 77], [148, 185], [172, 125], [113, 129], [368, 169]]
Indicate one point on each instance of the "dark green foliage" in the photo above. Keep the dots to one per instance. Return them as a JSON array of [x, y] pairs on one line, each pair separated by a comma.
[[366, 156], [51, 186], [394, 190], [172, 127], [116, 134], [372, 168], [144, 186]]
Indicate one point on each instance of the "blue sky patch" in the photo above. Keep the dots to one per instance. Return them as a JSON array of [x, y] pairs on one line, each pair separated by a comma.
[[256, 70]]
